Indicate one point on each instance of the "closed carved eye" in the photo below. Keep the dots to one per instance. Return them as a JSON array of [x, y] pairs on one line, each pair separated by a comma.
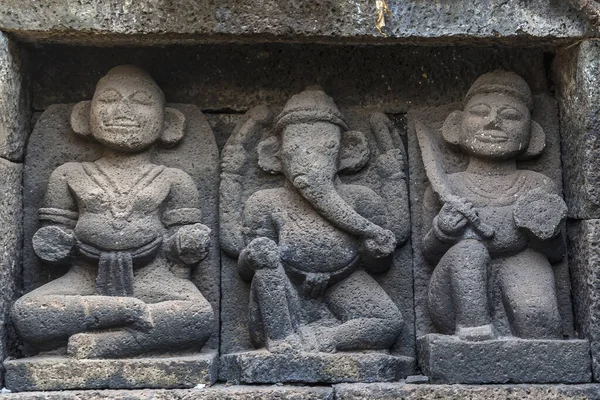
[[480, 110], [109, 96], [511, 114], [141, 98]]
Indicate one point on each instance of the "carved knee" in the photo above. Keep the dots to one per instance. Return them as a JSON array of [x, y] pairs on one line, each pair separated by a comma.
[[536, 318], [27, 321], [469, 254]]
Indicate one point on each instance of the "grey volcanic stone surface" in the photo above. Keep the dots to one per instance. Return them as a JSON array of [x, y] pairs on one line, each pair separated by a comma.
[[236, 77], [11, 239], [54, 134], [352, 391], [335, 319], [393, 391], [147, 22], [61, 373], [15, 109], [445, 359], [576, 72], [548, 164], [218, 392], [264, 367], [584, 258]]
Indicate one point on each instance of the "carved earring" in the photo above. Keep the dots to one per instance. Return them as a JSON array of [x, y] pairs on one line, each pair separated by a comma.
[[354, 151], [451, 127], [173, 128], [537, 142], [80, 118], [268, 155]]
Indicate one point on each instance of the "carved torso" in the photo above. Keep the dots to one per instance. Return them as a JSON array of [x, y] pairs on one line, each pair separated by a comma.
[[495, 204], [307, 240], [115, 219]]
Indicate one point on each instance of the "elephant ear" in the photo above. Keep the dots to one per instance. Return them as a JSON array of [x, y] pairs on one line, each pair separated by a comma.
[[537, 142], [173, 127], [354, 151], [451, 127], [268, 155], [80, 118]]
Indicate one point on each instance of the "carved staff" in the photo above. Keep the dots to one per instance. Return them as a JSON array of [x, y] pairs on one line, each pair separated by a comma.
[[439, 181]]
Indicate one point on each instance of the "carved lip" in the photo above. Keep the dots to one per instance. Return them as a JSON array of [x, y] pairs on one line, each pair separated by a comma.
[[122, 123], [492, 137]]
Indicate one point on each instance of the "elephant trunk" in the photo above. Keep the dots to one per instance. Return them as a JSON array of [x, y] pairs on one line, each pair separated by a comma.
[[324, 197]]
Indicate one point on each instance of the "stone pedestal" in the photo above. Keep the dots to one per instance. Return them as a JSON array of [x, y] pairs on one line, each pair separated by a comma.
[[446, 359], [264, 367], [62, 373]]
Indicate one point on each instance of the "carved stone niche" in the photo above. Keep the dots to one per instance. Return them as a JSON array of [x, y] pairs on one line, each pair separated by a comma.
[[491, 276], [317, 277], [120, 244]]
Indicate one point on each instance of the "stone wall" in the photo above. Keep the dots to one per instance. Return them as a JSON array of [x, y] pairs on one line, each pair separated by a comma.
[[226, 58]]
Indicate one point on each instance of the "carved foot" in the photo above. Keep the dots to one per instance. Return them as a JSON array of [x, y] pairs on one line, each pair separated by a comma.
[[100, 345], [476, 333], [291, 344]]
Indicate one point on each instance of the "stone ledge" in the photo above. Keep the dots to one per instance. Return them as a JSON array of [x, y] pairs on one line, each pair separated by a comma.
[[148, 22], [353, 391], [263, 367], [446, 359], [62, 373]]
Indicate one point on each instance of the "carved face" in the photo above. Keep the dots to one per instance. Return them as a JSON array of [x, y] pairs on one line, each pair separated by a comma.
[[307, 158], [127, 113], [495, 126]]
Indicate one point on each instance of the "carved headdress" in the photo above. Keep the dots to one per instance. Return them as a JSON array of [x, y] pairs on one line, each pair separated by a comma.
[[311, 105], [503, 82]]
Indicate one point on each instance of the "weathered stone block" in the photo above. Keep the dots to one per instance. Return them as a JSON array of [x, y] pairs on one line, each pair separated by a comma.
[[392, 391], [148, 22], [577, 73], [584, 258], [264, 367], [446, 359], [62, 373], [217, 392], [15, 111], [11, 238]]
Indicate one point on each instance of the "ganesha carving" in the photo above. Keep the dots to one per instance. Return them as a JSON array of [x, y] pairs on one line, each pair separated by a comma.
[[309, 246]]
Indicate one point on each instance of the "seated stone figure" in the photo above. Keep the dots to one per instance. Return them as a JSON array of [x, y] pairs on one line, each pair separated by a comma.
[[121, 222], [309, 247], [495, 218]]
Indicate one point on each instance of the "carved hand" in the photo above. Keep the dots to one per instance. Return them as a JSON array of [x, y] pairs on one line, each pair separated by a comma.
[[54, 244], [380, 245], [261, 253], [451, 221], [391, 164], [189, 243]]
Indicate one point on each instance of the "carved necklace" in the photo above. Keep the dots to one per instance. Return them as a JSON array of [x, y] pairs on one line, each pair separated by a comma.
[[121, 199], [507, 192]]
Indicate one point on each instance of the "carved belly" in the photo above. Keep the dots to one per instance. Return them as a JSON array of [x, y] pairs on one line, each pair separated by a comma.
[[106, 232], [319, 252]]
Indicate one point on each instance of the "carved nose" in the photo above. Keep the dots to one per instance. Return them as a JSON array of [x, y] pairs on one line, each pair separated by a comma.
[[123, 107], [493, 121]]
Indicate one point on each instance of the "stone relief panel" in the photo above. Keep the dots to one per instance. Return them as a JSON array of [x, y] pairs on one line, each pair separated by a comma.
[[491, 279], [315, 223], [121, 217]]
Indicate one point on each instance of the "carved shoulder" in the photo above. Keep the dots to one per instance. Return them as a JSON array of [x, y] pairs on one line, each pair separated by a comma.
[[66, 171], [258, 211], [264, 201], [536, 180]]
